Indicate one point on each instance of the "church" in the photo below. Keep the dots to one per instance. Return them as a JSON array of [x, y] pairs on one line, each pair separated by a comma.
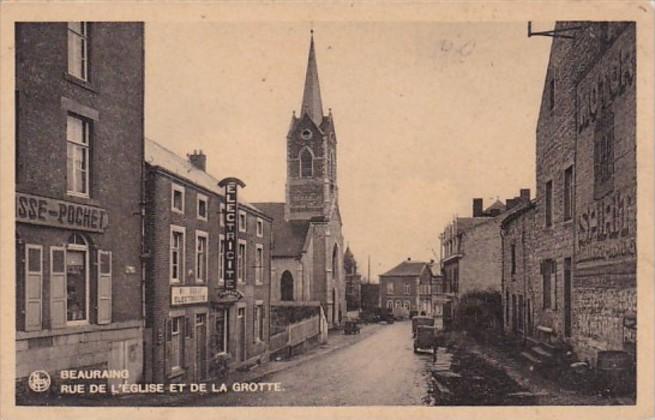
[[307, 252]]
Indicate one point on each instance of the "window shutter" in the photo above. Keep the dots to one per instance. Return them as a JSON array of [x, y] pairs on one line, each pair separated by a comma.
[[104, 287], [33, 287], [57, 287]]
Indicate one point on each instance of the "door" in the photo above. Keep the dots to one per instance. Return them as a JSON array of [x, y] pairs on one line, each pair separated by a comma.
[[201, 347], [126, 355], [567, 297], [241, 321]]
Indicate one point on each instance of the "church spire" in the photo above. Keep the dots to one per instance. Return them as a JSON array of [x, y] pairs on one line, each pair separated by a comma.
[[311, 97]]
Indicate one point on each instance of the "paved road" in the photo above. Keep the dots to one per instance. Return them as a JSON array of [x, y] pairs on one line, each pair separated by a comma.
[[382, 369]]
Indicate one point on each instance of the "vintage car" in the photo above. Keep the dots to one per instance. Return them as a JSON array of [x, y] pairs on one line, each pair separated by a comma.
[[421, 320], [351, 326], [424, 339]]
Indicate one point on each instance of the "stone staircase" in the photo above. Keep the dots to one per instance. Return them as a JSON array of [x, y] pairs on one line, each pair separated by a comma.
[[542, 352]]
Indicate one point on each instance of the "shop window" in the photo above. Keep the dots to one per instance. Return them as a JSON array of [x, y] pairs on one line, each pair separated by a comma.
[[177, 198], [202, 204], [201, 257], [175, 343], [77, 166], [78, 57], [242, 261], [33, 287], [177, 254], [259, 265]]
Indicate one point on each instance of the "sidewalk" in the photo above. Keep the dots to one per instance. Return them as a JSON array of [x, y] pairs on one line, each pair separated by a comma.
[[336, 340]]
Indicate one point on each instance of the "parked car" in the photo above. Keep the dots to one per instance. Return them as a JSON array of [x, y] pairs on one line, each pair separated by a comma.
[[421, 320], [424, 338], [351, 327]]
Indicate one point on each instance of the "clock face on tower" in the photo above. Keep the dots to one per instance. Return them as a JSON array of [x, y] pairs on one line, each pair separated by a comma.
[[306, 134]]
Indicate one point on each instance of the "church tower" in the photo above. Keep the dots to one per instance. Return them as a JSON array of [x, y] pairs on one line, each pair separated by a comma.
[[311, 188]]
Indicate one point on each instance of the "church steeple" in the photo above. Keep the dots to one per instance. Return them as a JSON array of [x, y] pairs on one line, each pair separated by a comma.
[[311, 97]]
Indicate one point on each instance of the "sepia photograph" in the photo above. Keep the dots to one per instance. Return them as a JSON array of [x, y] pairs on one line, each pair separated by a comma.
[[326, 212]]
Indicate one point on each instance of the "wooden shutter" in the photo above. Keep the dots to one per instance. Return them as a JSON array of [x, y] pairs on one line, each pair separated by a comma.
[[33, 287], [104, 287], [57, 287]]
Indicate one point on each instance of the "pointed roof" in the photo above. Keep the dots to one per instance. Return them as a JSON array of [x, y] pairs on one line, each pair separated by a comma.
[[311, 97], [406, 268]]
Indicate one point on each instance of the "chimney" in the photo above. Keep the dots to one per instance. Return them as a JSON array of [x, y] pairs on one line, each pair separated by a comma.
[[477, 207], [198, 159], [525, 194]]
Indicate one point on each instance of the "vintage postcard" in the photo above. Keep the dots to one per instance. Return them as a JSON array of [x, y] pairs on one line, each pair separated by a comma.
[[330, 209]]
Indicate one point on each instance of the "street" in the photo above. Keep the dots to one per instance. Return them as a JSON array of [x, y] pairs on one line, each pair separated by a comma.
[[381, 369]]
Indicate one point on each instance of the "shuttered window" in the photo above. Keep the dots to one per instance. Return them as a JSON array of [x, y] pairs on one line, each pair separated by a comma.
[[104, 287], [33, 287], [58, 306]]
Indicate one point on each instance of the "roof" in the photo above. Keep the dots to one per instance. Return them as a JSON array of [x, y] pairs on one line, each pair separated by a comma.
[[311, 97], [288, 236], [465, 223], [516, 212], [406, 268], [158, 155], [497, 205]]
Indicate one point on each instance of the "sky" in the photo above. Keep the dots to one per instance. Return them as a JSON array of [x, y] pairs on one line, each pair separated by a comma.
[[427, 115]]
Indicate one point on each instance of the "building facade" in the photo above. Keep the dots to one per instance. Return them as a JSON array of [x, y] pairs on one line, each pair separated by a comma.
[[79, 122], [400, 287], [307, 239], [191, 322]]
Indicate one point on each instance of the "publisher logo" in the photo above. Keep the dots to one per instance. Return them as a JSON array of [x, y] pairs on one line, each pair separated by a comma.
[[39, 381]]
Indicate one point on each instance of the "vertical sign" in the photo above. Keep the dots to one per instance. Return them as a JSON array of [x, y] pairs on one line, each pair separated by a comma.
[[230, 257]]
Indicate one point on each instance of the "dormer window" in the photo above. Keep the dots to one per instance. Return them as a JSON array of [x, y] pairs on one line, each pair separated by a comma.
[[306, 163]]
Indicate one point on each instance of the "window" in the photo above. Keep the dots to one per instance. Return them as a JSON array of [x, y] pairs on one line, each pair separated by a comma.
[[548, 269], [398, 304], [77, 136], [568, 193], [507, 304], [78, 57], [221, 256], [243, 225], [390, 304], [202, 204], [104, 287], [77, 280], [260, 228], [513, 258], [176, 339], [551, 96], [549, 203], [241, 261], [306, 163], [221, 331], [456, 280], [258, 323], [390, 288], [177, 254], [201, 256], [33, 287], [221, 216], [177, 198], [259, 264], [407, 287], [406, 305]]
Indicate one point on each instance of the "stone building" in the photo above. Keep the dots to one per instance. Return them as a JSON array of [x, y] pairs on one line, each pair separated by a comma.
[[190, 319], [586, 190], [79, 122], [307, 239], [399, 287]]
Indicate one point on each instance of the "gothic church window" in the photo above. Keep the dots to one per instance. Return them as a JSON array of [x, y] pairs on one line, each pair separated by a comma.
[[306, 163]]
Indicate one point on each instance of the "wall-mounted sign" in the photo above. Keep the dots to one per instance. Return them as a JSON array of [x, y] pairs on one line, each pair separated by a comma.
[[184, 295], [39, 210], [230, 258]]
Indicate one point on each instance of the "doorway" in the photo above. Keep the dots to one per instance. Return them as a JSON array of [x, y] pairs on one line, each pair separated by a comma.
[[241, 321], [201, 347]]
